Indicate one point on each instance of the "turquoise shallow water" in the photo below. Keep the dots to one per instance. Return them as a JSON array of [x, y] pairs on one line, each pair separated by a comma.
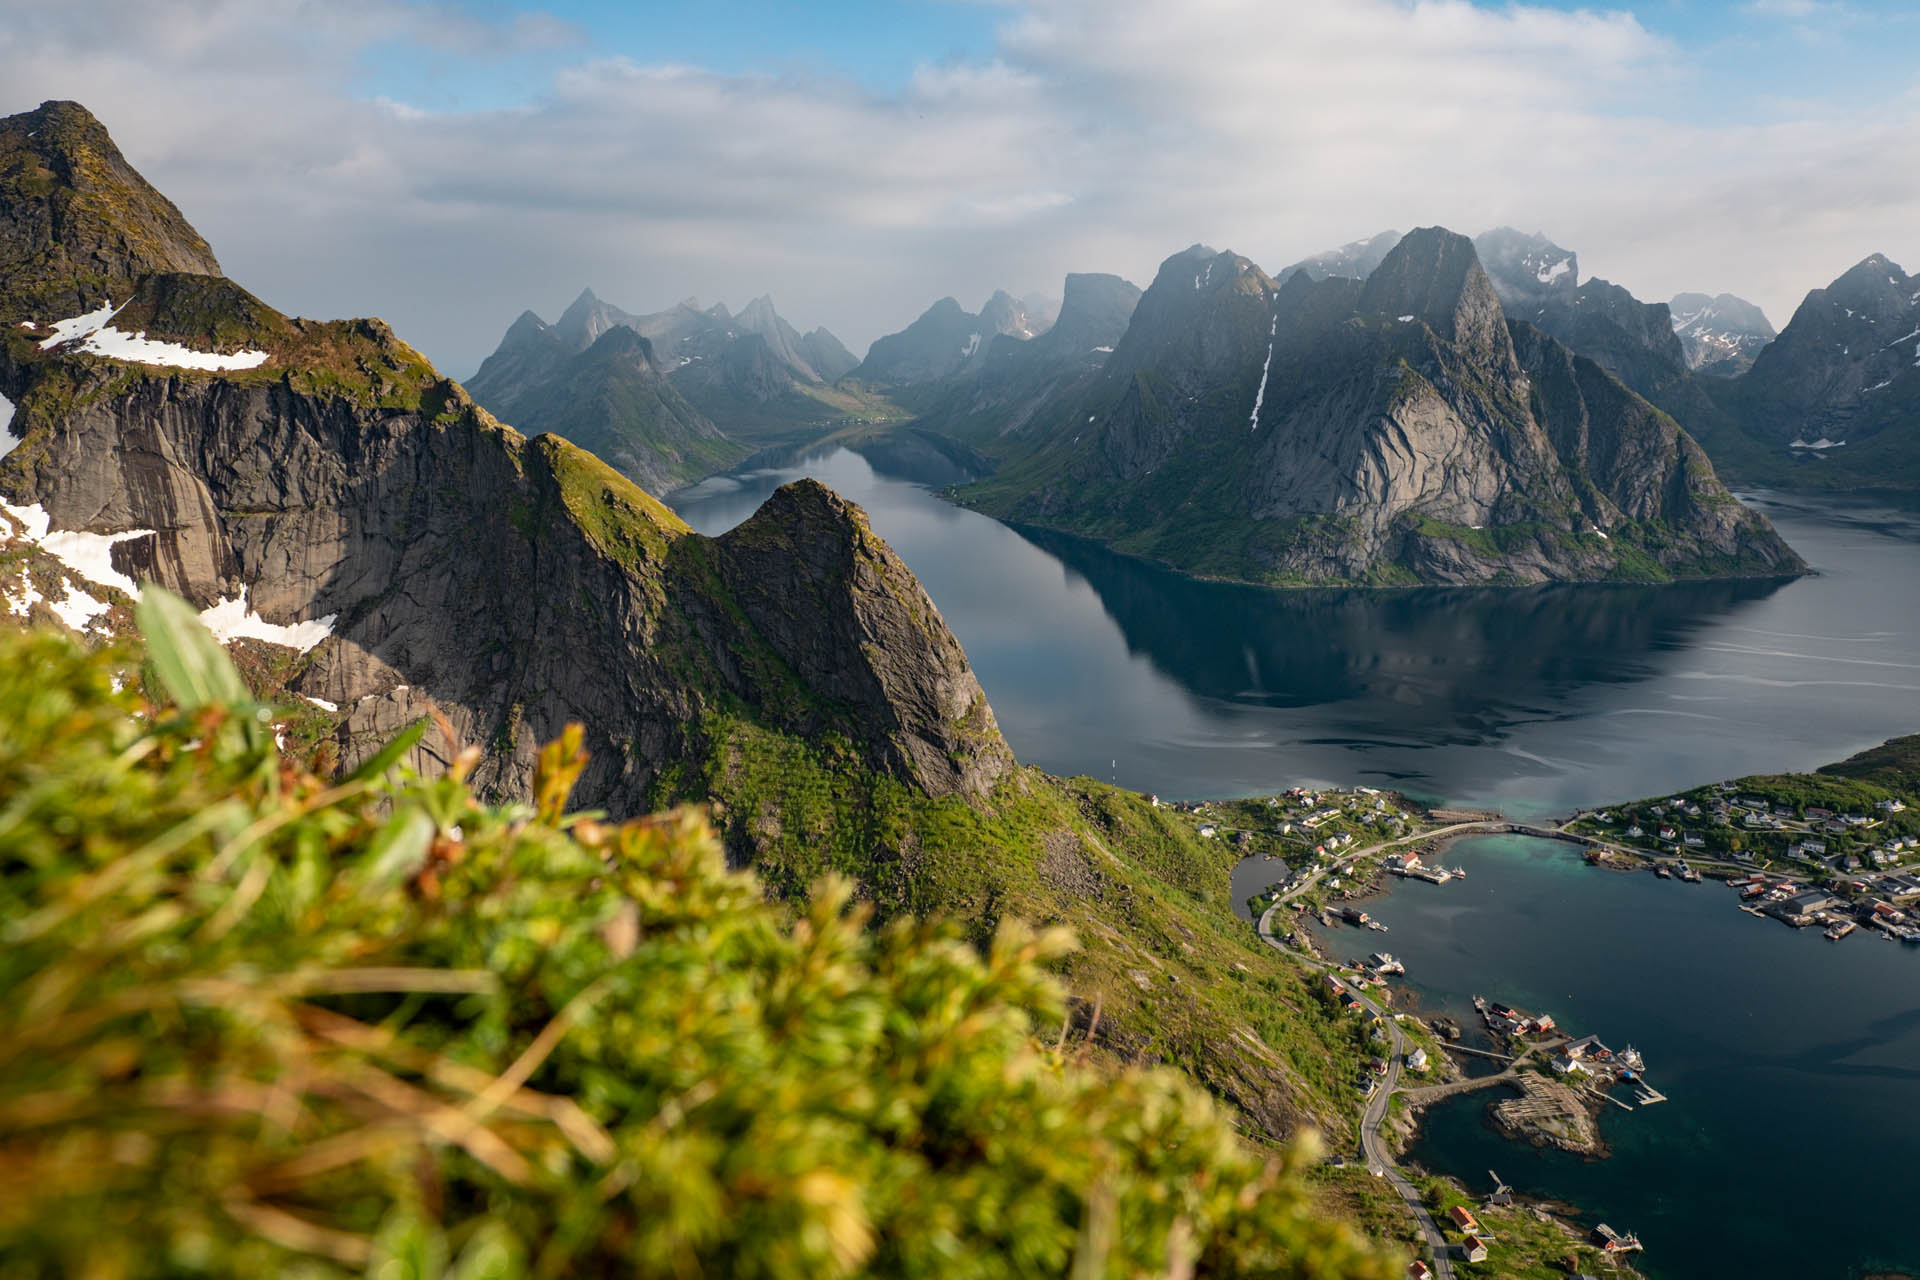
[[1791, 1146]]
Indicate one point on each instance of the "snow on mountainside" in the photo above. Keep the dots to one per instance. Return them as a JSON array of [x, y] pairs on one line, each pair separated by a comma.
[[1720, 335]]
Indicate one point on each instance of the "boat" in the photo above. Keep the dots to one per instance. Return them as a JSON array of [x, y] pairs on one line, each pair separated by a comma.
[[1630, 1059], [1839, 929], [1688, 874], [1661, 872]]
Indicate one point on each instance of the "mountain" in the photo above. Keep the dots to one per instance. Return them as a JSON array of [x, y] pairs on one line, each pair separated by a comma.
[[380, 551], [1018, 383], [829, 358], [752, 378], [945, 340], [1395, 430], [615, 401], [1527, 270], [1357, 259], [1834, 401], [1720, 335]]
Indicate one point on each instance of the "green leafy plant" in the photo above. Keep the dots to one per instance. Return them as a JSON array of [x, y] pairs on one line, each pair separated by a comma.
[[254, 1021]]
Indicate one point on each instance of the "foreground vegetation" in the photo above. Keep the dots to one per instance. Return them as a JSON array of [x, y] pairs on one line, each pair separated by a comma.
[[259, 1022]]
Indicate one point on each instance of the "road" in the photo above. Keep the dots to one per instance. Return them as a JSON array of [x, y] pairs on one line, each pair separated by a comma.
[[1373, 1148]]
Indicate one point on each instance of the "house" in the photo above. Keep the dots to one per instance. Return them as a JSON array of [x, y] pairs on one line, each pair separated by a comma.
[[1891, 806], [1668, 834], [1588, 1047], [1474, 1249], [1463, 1218], [1207, 832], [1563, 1065], [1417, 1059], [1634, 832], [1695, 842], [1408, 861], [1418, 1270]]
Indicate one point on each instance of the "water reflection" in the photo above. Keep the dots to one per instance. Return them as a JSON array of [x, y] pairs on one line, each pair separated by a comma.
[[1536, 701]]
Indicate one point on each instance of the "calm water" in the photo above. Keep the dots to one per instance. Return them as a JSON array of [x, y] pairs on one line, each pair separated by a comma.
[[1791, 1147], [1532, 701]]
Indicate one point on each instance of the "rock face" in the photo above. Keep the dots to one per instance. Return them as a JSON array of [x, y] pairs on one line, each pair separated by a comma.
[[438, 556], [1720, 335], [1391, 431]]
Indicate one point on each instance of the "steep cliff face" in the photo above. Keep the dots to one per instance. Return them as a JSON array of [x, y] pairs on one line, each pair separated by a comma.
[[1395, 430], [321, 488]]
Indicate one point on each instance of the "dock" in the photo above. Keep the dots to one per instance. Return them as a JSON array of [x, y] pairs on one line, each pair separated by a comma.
[[1648, 1095]]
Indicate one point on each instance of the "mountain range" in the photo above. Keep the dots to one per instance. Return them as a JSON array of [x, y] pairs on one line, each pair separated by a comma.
[[379, 550], [1393, 430], [674, 396]]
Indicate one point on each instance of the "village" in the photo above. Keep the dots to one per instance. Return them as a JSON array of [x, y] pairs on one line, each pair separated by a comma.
[[1804, 864]]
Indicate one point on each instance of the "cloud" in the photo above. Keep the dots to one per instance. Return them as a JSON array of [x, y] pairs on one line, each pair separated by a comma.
[[1102, 135]]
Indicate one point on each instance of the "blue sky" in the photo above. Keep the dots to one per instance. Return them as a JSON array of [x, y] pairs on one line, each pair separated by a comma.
[[448, 163], [1761, 58]]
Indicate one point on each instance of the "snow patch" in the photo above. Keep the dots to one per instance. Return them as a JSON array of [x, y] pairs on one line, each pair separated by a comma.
[[323, 704], [7, 438], [1106, 349], [22, 607], [1259, 396], [78, 610], [972, 345], [233, 620], [1821, 443], [79, 326], [89, 555], [1547, 275], [1879, 385], [1406, 319], [97, 336]]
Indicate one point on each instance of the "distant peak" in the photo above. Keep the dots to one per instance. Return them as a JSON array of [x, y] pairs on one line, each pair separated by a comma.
[[587, 298]]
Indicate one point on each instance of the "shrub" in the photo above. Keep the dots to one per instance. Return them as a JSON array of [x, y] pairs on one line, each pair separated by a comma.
[[255, 1021]]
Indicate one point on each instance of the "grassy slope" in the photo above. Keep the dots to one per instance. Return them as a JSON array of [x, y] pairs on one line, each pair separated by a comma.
[[1174, 976]]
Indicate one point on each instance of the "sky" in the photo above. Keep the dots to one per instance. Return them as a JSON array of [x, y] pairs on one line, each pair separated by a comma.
[[448, 164]]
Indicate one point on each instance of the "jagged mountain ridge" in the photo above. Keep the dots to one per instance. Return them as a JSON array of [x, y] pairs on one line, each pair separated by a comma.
[[712, 387], [376, 544], [1396, 429], [945, 340]]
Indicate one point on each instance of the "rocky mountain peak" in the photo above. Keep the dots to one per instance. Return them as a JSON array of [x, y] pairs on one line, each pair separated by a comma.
[[1720, 335], [1876, 285], [1528, 271], [835, 601], [1094, 311], [1435, 276], [1357, 259], [78, 225], [1005, 314]]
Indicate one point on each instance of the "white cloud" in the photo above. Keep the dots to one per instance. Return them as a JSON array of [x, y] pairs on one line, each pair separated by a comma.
[[1103, 135]]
